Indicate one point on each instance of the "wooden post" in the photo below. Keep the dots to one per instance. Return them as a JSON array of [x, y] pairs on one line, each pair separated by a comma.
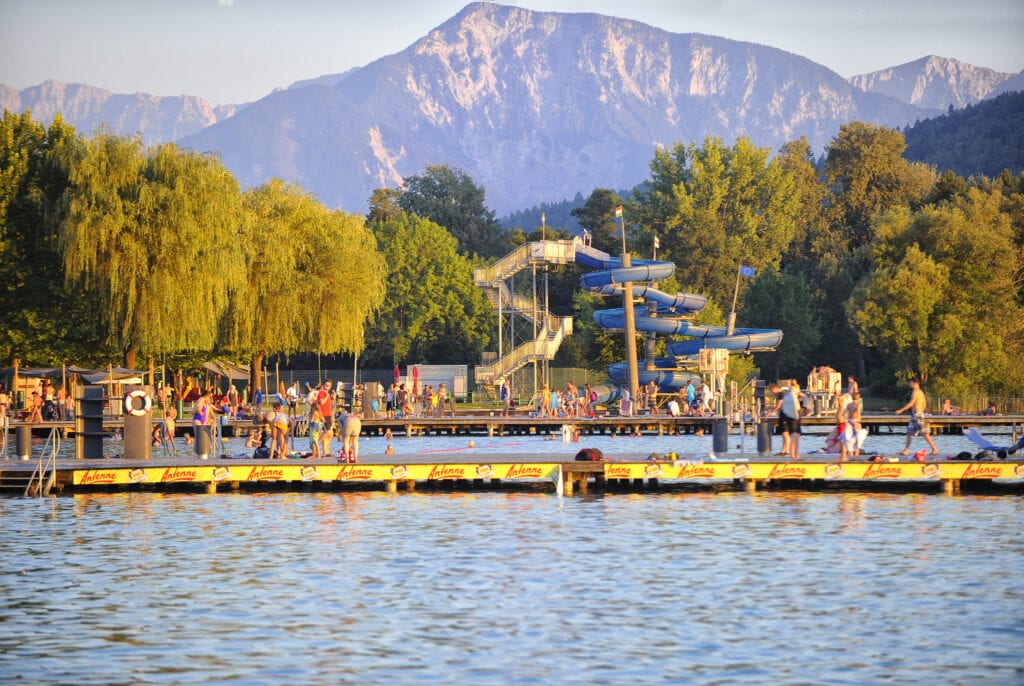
[[567, 483], [750, 485], [211, 488], [391, 486]]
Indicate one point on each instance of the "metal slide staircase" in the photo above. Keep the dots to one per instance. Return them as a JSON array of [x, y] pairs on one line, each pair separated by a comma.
[[552, 331]]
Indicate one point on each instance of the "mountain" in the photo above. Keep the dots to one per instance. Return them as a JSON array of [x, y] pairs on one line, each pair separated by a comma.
[[159, 119], [984, 138], [1014, 83], [933, 82], [535, 106]]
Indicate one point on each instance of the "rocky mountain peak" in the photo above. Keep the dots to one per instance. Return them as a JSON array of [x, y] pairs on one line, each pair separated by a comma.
[[933, 82]]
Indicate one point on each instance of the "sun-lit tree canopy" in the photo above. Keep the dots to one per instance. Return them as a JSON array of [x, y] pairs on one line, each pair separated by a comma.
[[150, 238]]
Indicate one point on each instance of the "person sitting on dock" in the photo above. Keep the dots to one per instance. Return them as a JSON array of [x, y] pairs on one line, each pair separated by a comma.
[[855, 433], [262, 451], [673, 408], [990, 411], [948, 408]]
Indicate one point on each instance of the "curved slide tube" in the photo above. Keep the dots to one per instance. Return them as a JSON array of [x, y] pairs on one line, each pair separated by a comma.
[[668, 307]]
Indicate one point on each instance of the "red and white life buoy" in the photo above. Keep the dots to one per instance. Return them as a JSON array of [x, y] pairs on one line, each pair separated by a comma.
[[129, 403]]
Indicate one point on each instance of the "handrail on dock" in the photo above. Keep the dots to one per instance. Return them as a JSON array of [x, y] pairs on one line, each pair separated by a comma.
[[46, 468]]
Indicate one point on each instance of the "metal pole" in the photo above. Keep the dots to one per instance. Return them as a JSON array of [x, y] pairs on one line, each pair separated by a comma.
[[735, 295], [534, 279], [543, 237], [630, 323]]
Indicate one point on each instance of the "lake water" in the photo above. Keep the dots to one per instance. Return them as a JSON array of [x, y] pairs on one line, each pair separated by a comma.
[[518, 588]]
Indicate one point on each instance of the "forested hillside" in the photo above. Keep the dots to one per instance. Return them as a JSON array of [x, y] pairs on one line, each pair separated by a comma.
[[985, 138]]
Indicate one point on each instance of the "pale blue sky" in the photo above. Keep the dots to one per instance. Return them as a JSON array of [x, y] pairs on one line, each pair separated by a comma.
[[232, 51]]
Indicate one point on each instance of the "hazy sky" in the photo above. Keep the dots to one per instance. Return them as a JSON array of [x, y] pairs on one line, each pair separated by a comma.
[[233, 51]]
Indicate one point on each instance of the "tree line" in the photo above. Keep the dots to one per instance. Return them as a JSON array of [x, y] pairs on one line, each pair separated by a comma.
[[868, 262]]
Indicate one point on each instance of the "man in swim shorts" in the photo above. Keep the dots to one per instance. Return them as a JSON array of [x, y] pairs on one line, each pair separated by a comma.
[[918, 425]]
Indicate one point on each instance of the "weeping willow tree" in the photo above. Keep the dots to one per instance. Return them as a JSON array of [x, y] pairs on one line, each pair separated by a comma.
[[150, 237], [313, 277]]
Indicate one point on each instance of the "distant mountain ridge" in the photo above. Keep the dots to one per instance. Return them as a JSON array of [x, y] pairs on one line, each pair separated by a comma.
[[534, 106], [158, 119], [933, 82]]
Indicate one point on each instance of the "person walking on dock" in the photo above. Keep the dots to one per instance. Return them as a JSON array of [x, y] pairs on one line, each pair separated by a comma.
[[790, 410], [505, 395], [918, 425]]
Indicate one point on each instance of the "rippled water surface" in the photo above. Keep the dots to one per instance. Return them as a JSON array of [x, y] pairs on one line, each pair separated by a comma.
[[524, 588]]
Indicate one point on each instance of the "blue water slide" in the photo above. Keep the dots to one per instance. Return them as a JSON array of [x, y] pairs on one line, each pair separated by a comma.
[[638, 271], [667, 310]]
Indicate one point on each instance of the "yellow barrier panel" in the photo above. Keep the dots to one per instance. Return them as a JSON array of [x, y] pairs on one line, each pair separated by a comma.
[[865, 471], [312, 472]]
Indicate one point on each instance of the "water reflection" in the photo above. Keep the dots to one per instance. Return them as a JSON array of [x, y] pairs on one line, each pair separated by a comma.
[[775, 587]]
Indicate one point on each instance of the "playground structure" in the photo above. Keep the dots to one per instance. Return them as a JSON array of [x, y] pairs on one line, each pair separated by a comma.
[[661, 313]]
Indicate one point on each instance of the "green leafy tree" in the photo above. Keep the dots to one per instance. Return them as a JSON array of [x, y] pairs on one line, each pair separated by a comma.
[[598, 217], [384, 205], [937, 301], [433, 313], [150, 238], [867, 174], [451, 199], [44, 322], [313, 278], [783, 301], [719, 207]]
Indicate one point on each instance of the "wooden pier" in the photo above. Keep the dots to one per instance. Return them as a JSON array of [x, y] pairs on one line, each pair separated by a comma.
[[484, 423]]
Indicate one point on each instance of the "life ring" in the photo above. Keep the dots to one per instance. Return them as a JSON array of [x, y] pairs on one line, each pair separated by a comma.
[[129, 403]]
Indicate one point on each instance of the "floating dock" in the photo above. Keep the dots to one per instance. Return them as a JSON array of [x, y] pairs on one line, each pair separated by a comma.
[[450, 472]]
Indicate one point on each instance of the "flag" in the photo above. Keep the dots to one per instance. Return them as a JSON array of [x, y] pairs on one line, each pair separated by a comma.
[[618, 212], [657, 243], [747, 271]]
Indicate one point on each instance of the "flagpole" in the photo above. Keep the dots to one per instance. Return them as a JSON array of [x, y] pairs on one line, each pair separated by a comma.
[[735, 295]]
